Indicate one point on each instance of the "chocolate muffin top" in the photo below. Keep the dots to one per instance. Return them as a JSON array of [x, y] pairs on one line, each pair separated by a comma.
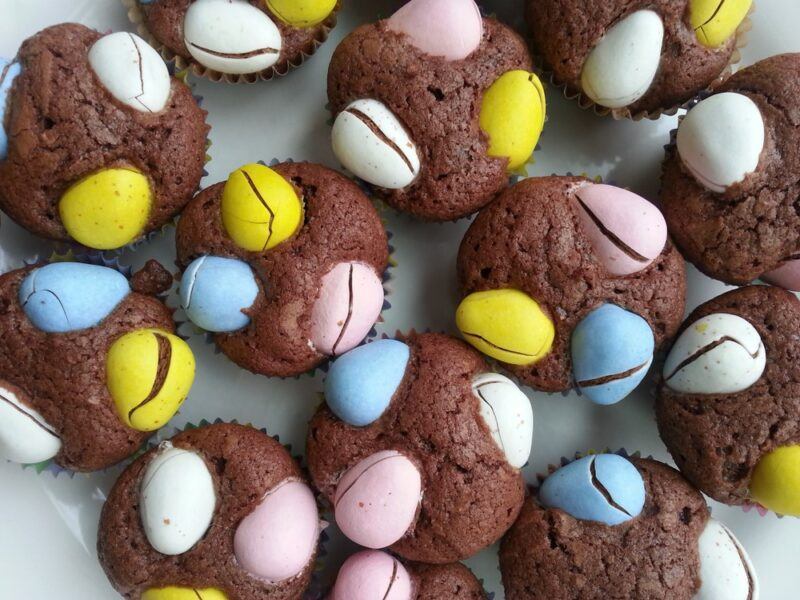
[[445, 582]]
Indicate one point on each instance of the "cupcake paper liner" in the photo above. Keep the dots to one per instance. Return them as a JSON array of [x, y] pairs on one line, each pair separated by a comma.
[[182, 64]]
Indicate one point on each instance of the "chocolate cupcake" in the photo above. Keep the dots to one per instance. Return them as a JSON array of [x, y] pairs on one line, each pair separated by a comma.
[[731, 178], [570, 282], [220, 512], [103, 145], [636, 58], [434, 107], [374, 575], [89, 365], [727, 405], [235, 40], [419, 448], [605, 526], [284, 265]]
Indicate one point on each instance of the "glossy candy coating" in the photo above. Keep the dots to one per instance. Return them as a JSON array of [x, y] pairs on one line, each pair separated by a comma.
[[183, 593], [786, 276], [715, 21], [301, 13], [9, 71], [726, 572], [25, 437], [372, 575], [508, 414], [775, 483]]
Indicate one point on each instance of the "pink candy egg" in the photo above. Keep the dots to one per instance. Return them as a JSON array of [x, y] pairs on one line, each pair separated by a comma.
[[372, 575], [376, 501], [277, 540], [448, 28], [786, 276], [349, 303], [626, 231]]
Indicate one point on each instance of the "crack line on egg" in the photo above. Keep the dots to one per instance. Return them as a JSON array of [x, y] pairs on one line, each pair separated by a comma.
[[349, 487], [349, 317], [236, 55], [4, 74], [162, 369], [494, 414], [391, 581], [610, 378], [750, 583], [266, 206], [193, 281], [602, 489], [610, 235], [713, 15], [196, 593], [19, 409], [140, 65], [493, 345], [708, 348], [373, 126], [52, 293]]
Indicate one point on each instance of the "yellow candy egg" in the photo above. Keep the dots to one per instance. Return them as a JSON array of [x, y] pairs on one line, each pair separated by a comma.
[[302, 13], [107, 209], [149, 373], [260, 209], [507, 325], [776, 481], [512, 115], [715, 21], [183, 593]]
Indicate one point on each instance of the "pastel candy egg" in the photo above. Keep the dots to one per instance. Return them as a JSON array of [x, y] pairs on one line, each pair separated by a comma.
[[349, 302], [726, 572], [131, 70], [183, 593], [376, 501], [512, 115], [627, 233], [507, 325], [302, 13], [260, 209], [177, 500], [720, 140], [231, 36], [371, 142], [8, 73], [786, 276], [508, 414], [623, 64], [25, 437], [612, 349], [107, 209], [775, 483], [605, 488], [69, 296], [277, 540], [715, 21], [149, 373], [361, 383], [215, 291], [372, 575], [451, 29], [718, 354]]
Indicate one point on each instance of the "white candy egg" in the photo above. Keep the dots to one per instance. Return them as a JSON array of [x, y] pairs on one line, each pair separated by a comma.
[[726, 572], [508, 414], [25, 437]]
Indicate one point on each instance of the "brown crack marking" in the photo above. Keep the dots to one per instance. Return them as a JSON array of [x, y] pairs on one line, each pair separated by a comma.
[[609, 378], [391, 581], [708, 348], [494, 414], [196, 593], [349, 311], [602, 489], [713, 15], [750, 582], [31, 417], [483, 339], [630, 252], [5, 72], [141, 75], [373, 126], [249, 54], [164, 360], [271, 221], [349, 487]]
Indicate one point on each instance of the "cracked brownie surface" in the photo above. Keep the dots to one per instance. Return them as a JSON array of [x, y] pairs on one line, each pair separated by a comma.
[[445, 582]]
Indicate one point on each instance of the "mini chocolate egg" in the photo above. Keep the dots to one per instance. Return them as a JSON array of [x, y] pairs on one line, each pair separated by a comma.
[[605, 487], [508, 414], [775, 482], [506, 324], [25, 437], [372, 143], [718, 354], [361, 383], [786, 276], [183, 593], [372, 575], [715, 21], [623, 64], [376, 501], [69, 296], [720, 140], [131, 70], [216, 291], [231, 36], [349, 302], [726, 572], [612, 349], [301, 13], [626, 231], [177, 500], [451, 29], [9, 70]]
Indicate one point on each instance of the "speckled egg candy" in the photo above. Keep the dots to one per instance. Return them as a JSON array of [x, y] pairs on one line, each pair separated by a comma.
[[508, 414], [9, 70], [25, 436], [726, 572], [372, 575], [451, 29]]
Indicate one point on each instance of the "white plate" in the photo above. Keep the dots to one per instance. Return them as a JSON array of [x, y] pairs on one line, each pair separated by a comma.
[[47, 538]]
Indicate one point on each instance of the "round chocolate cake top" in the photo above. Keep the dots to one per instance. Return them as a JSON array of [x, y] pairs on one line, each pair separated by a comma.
[[445, 582]]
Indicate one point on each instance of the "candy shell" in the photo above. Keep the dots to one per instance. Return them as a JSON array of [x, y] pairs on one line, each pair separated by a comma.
[[720, 140], [372, 575], [726, 572], [277, 540], [301, 13], [451, 29], [623, 64], [183, 593], [605, 487], [376, 501], [775, 483], [215, 291], [25, 437], [715, 21], [508, 414], [361, 383], [612, 349], [69, 296], [627, 233], [786, 276], [718, 354], [507, 325], [349, 302], [9, 71]]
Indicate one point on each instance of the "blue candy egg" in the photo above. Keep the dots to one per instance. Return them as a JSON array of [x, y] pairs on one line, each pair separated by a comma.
[[612, 349], [361, 383], [8, 73], [604, 487], [69, 296], [215, 291]]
